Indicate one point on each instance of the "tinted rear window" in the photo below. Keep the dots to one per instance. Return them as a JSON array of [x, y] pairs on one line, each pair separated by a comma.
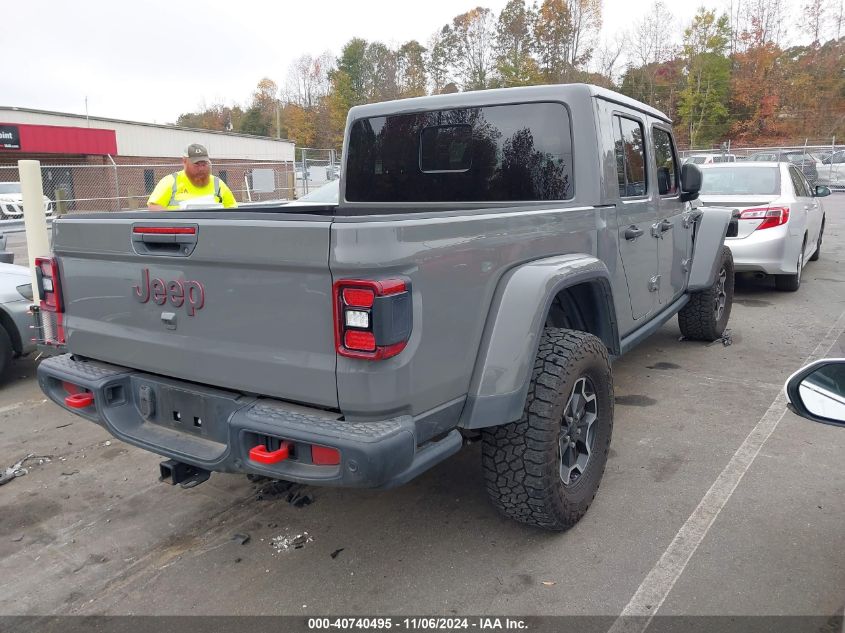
[[741, 181], [496, 153]]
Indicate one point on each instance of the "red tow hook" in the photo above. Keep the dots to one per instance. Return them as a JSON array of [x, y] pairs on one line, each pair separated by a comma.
[[79, 400], [261, 455]]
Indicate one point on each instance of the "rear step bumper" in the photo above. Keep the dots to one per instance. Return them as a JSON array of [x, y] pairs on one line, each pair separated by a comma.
[[215, 430]]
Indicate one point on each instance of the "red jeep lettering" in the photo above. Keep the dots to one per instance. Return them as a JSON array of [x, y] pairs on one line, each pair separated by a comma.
[[178, 292]]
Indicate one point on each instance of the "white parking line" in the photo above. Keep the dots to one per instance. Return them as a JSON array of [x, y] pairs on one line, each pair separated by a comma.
[[652, 592]]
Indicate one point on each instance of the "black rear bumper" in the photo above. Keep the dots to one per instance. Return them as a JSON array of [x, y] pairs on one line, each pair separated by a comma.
[[215, 429]]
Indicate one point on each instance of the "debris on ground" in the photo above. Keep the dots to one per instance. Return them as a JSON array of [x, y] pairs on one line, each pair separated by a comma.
[[283, 542], [69, 473], [300, 499], [336, 552], [241, 538], [549, 583], [274, 489], [292, 492], [17, 539], [727, 339], [18, 469]]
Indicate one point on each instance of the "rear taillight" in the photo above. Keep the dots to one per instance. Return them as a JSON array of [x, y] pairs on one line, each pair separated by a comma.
[[52, 305], [372, 318], [770, 216]]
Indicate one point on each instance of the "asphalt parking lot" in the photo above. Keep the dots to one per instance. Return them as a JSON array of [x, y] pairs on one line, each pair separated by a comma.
[[716, 501]]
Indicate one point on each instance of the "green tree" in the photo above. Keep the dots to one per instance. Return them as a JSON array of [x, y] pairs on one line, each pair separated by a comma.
[[473, 37], [254, 121], [411, 69], [442, 60], [353, 63], [703, 102], [552, 38], [514, 64], [380, 73]]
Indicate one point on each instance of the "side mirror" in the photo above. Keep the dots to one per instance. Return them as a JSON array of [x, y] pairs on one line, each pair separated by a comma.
[[690, 182], [817, 392], [821, 191]]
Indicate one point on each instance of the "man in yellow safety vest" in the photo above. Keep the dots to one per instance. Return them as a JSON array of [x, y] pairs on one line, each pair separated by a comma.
[[194, 183]]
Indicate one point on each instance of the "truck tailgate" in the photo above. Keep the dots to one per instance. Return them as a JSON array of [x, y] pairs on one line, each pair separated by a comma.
[[238, 303]]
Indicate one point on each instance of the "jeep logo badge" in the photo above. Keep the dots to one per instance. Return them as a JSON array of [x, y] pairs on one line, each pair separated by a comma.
[[178, 292]]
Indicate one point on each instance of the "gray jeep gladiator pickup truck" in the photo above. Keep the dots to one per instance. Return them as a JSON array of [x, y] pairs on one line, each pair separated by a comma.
[[490, 252]]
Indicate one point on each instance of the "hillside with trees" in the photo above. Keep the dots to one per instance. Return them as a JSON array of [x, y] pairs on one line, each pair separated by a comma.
[[720, 77]]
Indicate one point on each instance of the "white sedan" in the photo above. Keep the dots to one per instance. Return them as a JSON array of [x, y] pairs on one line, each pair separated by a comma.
[[11, 202], [779, 221]]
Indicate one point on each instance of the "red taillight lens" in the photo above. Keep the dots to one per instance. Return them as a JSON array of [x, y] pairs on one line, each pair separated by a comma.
[[52, 306], [358, 297], [325, 456], [49, 288], [372, 317], [770, 216], [359, 341]]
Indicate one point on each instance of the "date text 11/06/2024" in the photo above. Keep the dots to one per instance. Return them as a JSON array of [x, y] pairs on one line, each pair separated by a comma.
[[419, 623]]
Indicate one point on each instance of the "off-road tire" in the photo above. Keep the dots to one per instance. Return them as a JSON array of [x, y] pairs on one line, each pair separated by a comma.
[[818, 252], [7, 352], [791, 283], [698, 319], [522, 460]]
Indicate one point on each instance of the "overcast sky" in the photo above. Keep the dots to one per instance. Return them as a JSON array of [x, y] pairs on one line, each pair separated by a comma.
[[153, 60]]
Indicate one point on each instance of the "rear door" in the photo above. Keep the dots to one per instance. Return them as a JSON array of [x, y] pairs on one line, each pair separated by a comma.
[[637, 212], [234, 300], [673, 228]]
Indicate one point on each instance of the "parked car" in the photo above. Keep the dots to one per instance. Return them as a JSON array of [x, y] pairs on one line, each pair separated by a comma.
[[832, 170], [779, 222], [803, 160], [11, 201], [707, 159], [15, 320], [817, 391]]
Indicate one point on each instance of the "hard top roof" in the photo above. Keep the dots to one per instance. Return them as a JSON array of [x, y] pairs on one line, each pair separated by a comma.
[[568, 93]]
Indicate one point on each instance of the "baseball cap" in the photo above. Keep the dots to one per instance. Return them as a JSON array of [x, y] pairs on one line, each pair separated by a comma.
[[196, 153]]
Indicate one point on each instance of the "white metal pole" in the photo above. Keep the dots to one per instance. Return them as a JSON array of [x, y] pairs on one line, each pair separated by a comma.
[[35, 222]]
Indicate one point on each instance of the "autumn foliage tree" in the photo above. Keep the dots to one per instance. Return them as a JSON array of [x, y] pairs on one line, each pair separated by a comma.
[[719, 77]]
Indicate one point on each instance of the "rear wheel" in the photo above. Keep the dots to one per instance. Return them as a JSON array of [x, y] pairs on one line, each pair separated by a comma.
[[791, 283], [545, 468], [705, 316]]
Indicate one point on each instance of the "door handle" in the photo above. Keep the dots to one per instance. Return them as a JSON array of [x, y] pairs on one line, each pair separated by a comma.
[[633, 232], [666, 225]]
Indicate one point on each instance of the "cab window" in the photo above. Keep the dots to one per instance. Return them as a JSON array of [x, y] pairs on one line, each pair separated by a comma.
[[629, 141], [667, 166]]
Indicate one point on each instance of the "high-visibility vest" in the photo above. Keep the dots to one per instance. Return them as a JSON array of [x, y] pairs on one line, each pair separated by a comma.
[[173, 202]]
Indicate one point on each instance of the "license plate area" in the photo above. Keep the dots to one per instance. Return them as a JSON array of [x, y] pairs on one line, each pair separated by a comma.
[[194, 410]]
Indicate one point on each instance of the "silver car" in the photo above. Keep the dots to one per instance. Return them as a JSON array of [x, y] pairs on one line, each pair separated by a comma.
[[11, 202], [832, 170], [779, 221], [15, 320]]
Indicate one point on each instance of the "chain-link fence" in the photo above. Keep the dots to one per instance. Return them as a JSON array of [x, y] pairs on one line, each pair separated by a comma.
[[315, 168], [84, 187]]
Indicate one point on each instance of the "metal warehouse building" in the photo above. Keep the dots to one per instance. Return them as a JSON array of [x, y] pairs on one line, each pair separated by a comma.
[[94, 163]]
